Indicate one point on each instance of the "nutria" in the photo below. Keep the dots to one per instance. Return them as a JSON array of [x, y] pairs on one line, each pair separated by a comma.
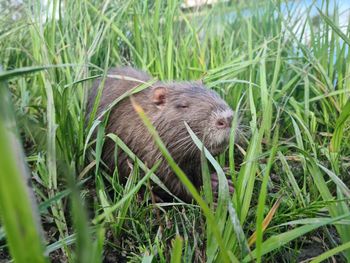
[[168, 105]]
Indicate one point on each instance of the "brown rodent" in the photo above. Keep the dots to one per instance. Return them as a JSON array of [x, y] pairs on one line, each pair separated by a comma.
[[168, 105]]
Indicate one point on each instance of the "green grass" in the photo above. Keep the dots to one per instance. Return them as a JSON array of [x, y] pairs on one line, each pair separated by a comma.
[[286, 74]]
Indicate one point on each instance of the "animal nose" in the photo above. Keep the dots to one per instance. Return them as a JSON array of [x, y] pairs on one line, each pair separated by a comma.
[[224, 122]]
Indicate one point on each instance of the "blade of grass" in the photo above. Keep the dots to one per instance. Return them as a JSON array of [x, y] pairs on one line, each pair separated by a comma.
[[330, 253], [177, 250], [277, 241], [266, 221], [19, 212], [334, 26], [262, 198]]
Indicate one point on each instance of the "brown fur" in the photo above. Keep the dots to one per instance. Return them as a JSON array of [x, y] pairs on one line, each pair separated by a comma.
[[201, 108]]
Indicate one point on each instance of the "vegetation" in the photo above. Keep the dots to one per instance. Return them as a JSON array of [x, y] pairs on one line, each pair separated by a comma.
[[287, 75]]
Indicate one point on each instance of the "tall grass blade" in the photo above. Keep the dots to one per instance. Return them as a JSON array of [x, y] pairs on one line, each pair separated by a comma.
[[19, 212]]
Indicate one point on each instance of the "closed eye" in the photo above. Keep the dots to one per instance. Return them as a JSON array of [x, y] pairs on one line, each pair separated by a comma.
[[182, 106]]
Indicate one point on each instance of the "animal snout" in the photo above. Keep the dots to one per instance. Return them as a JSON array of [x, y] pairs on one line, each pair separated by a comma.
[[224, 122]]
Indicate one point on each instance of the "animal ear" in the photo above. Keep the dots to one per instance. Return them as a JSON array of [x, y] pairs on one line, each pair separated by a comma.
[[159, 96]]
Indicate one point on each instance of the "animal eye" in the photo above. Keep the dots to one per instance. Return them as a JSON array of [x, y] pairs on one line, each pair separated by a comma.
[[182, 105]]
